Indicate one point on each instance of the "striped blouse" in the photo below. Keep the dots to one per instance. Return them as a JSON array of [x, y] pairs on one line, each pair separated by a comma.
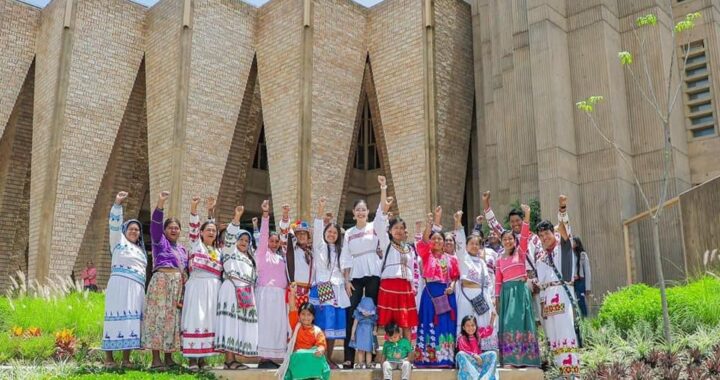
[[508, 268]]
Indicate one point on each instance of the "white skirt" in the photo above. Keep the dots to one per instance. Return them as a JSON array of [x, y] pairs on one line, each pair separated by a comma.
[[560, 329], [236, 328], [465, 308], [124, 301], [198, 314], [272, 321]]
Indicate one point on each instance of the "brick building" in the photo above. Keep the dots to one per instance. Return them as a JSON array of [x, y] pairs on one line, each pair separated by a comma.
[[298, 99]]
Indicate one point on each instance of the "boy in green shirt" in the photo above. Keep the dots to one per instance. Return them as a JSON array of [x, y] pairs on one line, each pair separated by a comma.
[[397, 352]]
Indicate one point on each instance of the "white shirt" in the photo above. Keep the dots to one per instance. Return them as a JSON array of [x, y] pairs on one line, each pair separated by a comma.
[[360, 246], [302, 268], [394, 266], [323, 271]]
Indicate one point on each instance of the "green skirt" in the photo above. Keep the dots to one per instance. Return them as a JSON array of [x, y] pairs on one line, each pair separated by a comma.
[[518, 334], [305, 365]]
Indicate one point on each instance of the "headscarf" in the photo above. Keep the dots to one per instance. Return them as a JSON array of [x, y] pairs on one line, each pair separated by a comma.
[[141, 242], [366, 306]]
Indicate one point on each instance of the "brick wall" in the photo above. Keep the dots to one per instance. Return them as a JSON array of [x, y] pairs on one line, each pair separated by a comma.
[[17, 49], [15, 157], [339, 51], [279, 35], [396, 55]]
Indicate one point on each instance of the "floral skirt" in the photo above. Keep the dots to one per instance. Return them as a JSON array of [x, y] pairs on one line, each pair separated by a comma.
[[237, 320], [436, 333], [469, 369], [396, 303], [518, 334], [124, 300], [198, 314], [161, 328]]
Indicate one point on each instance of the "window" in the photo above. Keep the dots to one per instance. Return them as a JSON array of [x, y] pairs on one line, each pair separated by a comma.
[[261, 158], [366, 155], [699, 107]]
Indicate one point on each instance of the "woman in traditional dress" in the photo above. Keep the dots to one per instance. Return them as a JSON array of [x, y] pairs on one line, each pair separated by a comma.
[[396, 299], [556, 268], [201, 290], [237, 316], [328, 293], [361, 259], [270, 293], [438, 309], [517, 334], [161, 327], [125, 292], [475, 281]]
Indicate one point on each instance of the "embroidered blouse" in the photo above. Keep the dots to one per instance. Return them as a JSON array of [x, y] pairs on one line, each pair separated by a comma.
[[128, 260], [165, 254], [471, 344], [510, 268], [271, 267], [361, 245], [237, 265], [399, 263], [437, 268], [534, 244], [202, 257], [325, 271]]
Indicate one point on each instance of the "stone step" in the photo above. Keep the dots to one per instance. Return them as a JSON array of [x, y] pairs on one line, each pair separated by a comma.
[[376, 374]]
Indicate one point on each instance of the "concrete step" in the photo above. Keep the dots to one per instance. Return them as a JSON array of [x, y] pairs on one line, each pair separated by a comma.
[[376, 374]]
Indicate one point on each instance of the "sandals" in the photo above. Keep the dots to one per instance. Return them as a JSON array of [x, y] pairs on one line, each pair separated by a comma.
[[110, 365], [235, 365], [194, 368], [157, 367]]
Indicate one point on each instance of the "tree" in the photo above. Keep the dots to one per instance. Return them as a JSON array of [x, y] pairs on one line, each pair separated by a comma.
[[663, 109]]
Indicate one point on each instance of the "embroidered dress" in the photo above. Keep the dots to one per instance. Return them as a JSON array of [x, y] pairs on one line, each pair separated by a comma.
[[474, 269], [270, 293], [558, 310], [468, 367], [125, 294], [396, 298], [436, 333], [237, 316], [517, 335], [329, 315], [201, 291], [161, 327]]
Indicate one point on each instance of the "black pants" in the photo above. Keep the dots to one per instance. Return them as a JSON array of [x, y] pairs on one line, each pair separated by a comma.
[[368, 287]]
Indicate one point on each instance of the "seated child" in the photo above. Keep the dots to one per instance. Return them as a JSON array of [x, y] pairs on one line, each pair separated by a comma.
[[305, 358], [397, 352], [472, 363]]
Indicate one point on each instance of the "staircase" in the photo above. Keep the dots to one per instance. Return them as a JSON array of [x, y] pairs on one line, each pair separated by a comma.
[[376, 374]]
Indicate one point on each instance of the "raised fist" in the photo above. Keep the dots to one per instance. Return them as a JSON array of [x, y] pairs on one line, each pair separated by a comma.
[[381, 180], [239, 210], [265, 206], [164, 195], [120, 197]]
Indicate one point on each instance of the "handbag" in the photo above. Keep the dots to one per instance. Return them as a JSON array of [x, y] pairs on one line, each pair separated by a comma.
[[441, 303], [479, 304], [325, 290]]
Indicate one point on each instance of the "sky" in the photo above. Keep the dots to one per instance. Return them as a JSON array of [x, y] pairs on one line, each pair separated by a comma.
[[149, 3]]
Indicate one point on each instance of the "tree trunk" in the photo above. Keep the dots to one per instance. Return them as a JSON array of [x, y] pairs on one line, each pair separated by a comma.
[[661, 279]]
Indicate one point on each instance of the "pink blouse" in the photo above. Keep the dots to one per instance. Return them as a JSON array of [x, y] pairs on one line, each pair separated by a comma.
[[443, 268], [471, 345], [508, 268]]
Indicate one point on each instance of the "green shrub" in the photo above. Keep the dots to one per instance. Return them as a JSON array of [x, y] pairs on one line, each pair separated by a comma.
[[691, 306]]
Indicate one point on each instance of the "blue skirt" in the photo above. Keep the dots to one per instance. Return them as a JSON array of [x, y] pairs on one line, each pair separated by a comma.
[[330, 319], [436, 334]]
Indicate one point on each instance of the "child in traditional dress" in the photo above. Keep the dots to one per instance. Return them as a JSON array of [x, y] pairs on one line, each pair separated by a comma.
[[363, 338], [397, 352], [306, 350], [472, 362]]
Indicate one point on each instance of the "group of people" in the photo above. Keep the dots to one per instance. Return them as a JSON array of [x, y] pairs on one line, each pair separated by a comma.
[[444, 300]]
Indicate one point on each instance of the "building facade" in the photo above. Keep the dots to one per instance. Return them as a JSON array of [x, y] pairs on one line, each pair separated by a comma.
[[299, 99]]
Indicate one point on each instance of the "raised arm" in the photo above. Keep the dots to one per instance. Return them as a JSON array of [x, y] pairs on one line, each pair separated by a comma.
[[428, 228], [233, 229], [318, 240], [418, 230], [210, 203], [490, 215], [460, 238], [264, 231], [255, 232], [380, 223], [477, 228], [383, 192], [156, 224], [563, 220], [437, 219], [525, 231], [194, 233], [284, 228], [116, 220]]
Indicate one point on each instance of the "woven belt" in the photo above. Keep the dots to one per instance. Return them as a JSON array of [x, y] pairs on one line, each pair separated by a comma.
[[470, 284]]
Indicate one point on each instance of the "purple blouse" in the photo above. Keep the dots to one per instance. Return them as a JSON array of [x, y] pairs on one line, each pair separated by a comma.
[[165, 254]]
